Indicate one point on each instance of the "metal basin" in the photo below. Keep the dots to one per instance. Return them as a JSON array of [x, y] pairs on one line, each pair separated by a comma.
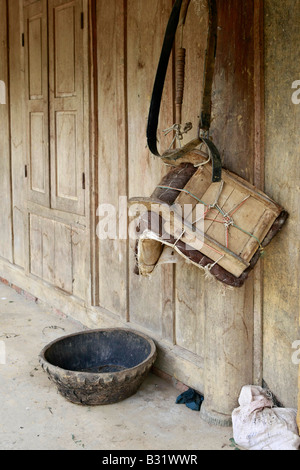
[[99, 367]]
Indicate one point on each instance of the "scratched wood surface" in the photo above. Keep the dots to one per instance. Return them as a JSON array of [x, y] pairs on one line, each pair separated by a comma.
[[234, 58], [150, 301], [172, 303], [5, 187], [112, 166], [282, 261], [169, 305], [17, 117]]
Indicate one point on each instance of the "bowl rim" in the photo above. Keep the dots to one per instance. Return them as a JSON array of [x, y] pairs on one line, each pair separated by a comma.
[[151, 355]]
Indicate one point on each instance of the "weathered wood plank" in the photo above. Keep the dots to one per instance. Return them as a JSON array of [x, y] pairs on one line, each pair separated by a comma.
[[5, 187], [17, 117], [36, 246], [63, 264], [259, 180], [48, 250], [233, 101], [145, 31], [190, 309], [81, 264], [112, 137], [282, 260], [229, 313], [93, 160], [190, 284]]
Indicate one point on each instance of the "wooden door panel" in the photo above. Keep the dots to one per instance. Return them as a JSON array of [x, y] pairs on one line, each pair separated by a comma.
[[59, 255], [65, 50], [36, 88], [66, 78], [36, 145], [35, 57], [65, 130]]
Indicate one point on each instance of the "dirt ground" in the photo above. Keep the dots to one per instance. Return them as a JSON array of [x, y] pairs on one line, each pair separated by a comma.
[[33, 416]]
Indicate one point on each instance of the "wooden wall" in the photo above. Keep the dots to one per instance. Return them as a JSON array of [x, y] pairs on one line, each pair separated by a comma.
[[172, 305], [48, 232], [177, 311], [281, 279], [126, 73]]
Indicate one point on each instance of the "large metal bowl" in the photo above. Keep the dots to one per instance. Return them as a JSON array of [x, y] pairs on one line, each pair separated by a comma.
[[99, 367]]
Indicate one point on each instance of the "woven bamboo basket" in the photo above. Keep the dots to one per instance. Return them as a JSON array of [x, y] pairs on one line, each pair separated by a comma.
[[239, 221]]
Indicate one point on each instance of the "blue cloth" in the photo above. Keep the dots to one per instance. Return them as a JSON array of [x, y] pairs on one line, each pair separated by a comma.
[[191, 399]]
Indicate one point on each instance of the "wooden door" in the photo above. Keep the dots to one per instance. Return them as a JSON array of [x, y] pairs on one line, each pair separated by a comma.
[[57, 136], [66, 79], [36, 89]]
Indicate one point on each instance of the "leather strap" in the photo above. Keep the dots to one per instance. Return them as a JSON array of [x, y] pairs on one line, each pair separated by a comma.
[[161, 77], [209, 68], [180, 8]]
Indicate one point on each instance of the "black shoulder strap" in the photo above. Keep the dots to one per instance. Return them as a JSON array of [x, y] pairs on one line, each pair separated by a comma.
[[161, 77], [205, 115]]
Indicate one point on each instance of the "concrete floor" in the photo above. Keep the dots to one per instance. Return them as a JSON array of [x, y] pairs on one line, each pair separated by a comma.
[[33, 416]]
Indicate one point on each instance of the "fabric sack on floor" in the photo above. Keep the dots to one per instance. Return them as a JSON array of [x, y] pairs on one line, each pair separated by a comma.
[[259, 425]]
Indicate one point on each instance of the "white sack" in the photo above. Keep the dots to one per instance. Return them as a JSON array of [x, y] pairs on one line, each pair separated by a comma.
[[259, 425]]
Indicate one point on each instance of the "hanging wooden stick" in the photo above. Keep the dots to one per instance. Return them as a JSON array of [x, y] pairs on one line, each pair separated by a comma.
[[180, 72]]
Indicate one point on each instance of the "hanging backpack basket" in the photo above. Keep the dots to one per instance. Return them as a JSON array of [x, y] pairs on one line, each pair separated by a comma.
[[236, 221]]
